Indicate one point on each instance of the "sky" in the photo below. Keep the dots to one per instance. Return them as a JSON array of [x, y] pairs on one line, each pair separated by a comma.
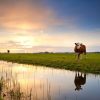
[[49, 25]]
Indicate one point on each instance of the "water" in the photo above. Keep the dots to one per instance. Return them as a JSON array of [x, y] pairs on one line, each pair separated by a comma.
[[27, 82]]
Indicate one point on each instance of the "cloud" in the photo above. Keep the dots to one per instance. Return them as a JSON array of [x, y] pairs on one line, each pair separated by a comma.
[[53, 49], [10, 45], [31, 25], [40, 41], [26, 15]]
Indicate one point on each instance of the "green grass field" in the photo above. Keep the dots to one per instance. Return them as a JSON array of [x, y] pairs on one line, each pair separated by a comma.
[[65, 61]]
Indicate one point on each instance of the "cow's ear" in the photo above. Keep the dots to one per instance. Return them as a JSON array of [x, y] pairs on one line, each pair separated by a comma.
[[75, 43]]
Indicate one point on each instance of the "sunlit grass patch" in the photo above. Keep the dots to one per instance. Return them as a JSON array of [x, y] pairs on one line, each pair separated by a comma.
[[57, 60]]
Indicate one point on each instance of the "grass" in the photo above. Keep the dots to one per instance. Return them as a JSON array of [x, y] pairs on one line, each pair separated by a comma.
[[64, 61]]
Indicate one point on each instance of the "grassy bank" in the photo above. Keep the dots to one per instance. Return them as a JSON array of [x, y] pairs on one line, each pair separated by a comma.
[[66, 61]]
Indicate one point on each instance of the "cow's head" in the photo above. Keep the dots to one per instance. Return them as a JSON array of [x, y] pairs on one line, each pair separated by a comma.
[[78, 45]]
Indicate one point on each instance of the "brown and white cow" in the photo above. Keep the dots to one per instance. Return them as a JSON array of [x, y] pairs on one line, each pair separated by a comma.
[[80, 49]]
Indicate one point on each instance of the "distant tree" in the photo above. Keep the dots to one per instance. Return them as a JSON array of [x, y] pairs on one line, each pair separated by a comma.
[[46, 52], [8, 51]]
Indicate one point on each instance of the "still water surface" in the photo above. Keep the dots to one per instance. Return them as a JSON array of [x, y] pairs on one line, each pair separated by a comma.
[[42, 83]]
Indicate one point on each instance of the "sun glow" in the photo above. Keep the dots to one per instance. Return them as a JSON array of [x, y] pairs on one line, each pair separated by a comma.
[[25, 26]]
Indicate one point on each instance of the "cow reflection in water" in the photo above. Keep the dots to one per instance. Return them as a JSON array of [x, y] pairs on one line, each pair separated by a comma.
[[80, 79]]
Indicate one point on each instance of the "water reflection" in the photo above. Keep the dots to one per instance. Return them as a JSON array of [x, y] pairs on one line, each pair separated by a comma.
[[27, 82], [80, 79]]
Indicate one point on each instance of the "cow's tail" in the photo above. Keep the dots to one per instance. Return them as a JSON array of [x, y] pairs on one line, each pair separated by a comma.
[[84, 50]]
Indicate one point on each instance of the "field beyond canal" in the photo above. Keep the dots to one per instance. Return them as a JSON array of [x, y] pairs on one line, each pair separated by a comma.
[[57, 60]]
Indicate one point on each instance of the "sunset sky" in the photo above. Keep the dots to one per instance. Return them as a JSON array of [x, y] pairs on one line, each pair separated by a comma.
[[49, 25]]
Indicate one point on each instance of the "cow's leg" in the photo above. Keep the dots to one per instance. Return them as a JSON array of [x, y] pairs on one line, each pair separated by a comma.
[[78, 56], [81, 56]]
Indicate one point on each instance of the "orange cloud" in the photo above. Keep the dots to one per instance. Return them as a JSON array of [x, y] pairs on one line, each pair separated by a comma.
[[24, 15]]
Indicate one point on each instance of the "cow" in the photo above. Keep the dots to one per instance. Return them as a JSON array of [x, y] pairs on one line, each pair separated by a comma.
[[79, 49], [80, 79]]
